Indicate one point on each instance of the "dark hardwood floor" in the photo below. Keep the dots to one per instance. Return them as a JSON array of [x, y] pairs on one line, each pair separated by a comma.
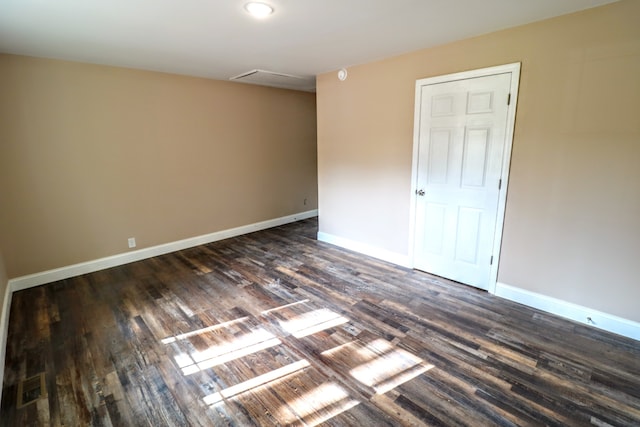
[[275, 328]]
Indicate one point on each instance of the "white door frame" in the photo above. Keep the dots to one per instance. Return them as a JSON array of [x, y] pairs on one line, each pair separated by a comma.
[[514, 69]]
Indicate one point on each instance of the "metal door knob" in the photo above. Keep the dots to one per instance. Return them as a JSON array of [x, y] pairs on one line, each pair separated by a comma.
[[420, 192]]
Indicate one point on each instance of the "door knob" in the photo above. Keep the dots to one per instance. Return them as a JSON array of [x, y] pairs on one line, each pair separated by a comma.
[[420, 192]]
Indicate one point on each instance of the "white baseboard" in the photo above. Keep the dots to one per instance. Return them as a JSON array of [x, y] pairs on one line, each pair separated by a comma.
[[49, 276], [608, 322], [4, 332], [373, 251]]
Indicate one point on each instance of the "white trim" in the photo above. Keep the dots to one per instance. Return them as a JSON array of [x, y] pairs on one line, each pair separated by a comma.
[[608, 322], [4, 332], [49, 276], [506, 165], [470, 74], [414, 174], [514, 70], [363, 248]]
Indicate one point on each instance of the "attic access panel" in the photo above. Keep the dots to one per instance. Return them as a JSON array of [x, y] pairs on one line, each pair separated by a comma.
[[280, 80]]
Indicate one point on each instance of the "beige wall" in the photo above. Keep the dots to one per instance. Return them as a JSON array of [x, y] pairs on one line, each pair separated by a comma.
[[91, 155], [572, 228]]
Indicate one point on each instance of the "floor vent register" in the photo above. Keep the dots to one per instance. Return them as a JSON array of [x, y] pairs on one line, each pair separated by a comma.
[[31, 389]]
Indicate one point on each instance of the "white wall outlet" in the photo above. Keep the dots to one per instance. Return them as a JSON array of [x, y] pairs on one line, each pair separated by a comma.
[[132, 242]]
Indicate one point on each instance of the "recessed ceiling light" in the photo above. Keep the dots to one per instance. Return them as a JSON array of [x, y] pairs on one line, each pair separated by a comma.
[[258, 10]]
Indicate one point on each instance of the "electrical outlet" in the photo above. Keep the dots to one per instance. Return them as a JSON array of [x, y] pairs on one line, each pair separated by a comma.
[[132, 242]]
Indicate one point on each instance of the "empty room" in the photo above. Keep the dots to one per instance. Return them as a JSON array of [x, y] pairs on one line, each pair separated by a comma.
[[341, 213]]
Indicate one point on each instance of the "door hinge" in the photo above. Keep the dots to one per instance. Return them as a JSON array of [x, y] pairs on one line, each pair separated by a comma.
[[509, 99], [500, 184], [491, 260]]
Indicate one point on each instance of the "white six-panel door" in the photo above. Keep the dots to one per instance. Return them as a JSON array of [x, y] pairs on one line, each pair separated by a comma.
[[462, 134]]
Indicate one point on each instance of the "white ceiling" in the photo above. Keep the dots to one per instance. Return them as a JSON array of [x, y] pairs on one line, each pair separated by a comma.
[[218, 39]]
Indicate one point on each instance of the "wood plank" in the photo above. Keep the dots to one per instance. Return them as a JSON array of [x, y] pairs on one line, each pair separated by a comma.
[[207, 336]]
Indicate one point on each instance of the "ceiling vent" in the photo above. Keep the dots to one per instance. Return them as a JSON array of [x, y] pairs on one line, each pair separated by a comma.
[[270, 78]]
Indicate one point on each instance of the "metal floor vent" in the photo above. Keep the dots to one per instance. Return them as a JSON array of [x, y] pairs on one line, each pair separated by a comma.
[[31, 389], [270, 78]]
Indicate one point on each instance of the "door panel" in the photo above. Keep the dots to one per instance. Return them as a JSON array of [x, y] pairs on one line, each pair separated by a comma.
[[442, 105], [479, 102], [474, 162], [462, 134], [434, 228], [468, 235], [439, 156]]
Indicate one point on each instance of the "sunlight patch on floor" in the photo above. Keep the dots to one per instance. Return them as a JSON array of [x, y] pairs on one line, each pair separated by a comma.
[[312, 322], [233, 344], [377, 364], [339, 349], [385, 374], [319, 405], [262, 380], [173, 339], [227, 357], [285, 306], [374, 362], [221, 353], [390, 367]]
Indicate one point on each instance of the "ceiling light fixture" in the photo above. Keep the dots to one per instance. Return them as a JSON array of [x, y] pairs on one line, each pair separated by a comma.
[[258, 10]]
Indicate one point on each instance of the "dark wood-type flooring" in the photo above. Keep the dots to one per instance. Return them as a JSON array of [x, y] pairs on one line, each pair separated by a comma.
[[275, 328]]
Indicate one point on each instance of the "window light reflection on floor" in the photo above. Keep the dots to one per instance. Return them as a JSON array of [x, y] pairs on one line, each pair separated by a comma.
[[319, 405], [377, 364], [236, 354], [312, 322], [282, 307], [220, 353], [179, 337], [385, 374], [233, 343], [388, 366], [269, 378], [379, 346]]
